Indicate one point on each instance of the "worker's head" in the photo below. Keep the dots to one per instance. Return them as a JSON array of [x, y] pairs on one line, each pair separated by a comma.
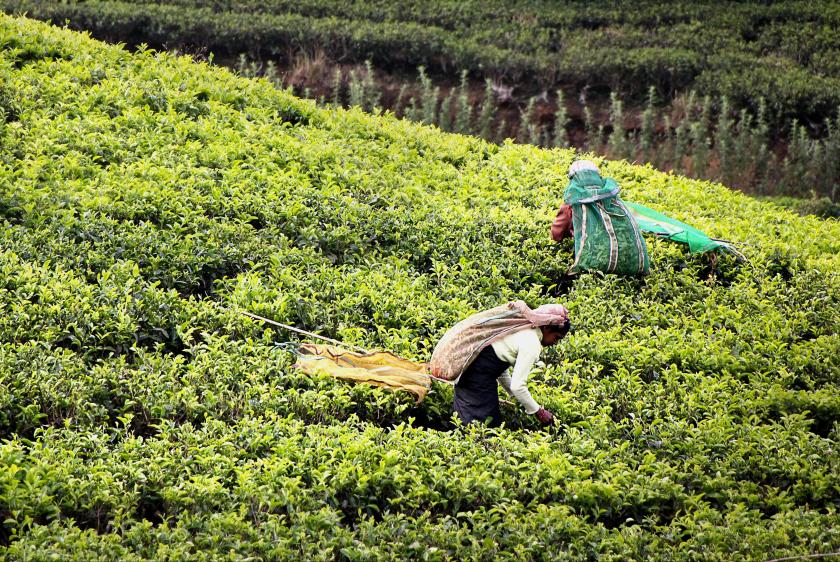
[[580, 165], [553, 333], [553, 319]]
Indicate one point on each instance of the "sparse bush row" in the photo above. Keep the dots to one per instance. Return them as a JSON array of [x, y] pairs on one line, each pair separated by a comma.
[[783, 53], [145, 198], [699, 137]]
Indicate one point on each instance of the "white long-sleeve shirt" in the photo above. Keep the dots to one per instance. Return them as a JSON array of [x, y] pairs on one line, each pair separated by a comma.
[[521, 350]]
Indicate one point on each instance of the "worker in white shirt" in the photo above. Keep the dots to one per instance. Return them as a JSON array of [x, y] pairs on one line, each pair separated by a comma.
[[477, 391]]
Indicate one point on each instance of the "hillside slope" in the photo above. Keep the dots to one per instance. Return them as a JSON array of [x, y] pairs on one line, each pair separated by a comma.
[[145, 197], [785, 52]]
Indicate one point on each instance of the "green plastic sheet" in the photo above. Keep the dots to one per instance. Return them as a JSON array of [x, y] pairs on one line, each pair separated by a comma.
[[662, 225]]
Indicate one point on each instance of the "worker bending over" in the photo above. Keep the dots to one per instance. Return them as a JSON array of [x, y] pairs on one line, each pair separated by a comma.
[[479, 353]]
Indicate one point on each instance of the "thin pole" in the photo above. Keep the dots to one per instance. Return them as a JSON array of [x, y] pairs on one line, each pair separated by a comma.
[[299, 331], [805, 556]]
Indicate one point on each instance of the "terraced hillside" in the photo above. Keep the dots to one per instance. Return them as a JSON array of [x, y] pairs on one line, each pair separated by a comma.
[[746, 96], [785, 52], [146, 198]]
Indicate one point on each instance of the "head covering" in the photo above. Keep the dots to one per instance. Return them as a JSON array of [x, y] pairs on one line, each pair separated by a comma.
[[580, 165], [544, 315], [462, 343]]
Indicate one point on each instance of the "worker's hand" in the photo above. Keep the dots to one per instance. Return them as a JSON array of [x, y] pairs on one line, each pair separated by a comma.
[[545, 417]]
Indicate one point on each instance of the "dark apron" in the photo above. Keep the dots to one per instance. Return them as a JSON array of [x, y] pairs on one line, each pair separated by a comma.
[[477, 391]]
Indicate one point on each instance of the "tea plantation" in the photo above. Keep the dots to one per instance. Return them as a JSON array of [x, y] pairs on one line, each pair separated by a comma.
[[146, 198], [787, 53]]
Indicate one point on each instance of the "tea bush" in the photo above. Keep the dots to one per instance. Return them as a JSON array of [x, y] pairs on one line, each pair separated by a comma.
[[146, 198]]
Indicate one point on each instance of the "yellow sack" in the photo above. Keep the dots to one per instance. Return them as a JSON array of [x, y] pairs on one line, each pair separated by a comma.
[[379, 368]]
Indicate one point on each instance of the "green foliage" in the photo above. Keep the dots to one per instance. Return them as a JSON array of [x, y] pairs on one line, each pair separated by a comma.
[[592, 141], [145, 198], [529, 130], [700, 138], [820, 207], [648, 127], [487, 111], [723, 137], [447, 122], [428, 99], [784, 52], [356, 89], [398, 104], [336, 89], [561, 139], [463, 120], [617, 143]]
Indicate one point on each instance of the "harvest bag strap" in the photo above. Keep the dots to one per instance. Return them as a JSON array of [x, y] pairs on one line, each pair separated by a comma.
[[600, 197]]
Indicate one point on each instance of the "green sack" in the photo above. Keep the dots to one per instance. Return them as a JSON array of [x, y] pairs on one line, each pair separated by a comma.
[[607, 237]]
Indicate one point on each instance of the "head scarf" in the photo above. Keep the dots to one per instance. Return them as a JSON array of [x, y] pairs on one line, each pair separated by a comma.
[[580, 165], [544, 315]]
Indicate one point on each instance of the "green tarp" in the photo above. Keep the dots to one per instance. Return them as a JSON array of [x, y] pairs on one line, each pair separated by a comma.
[[661, 225]]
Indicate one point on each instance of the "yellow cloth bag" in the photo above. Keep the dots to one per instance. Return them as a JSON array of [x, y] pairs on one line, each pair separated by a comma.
[[378, 368]]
